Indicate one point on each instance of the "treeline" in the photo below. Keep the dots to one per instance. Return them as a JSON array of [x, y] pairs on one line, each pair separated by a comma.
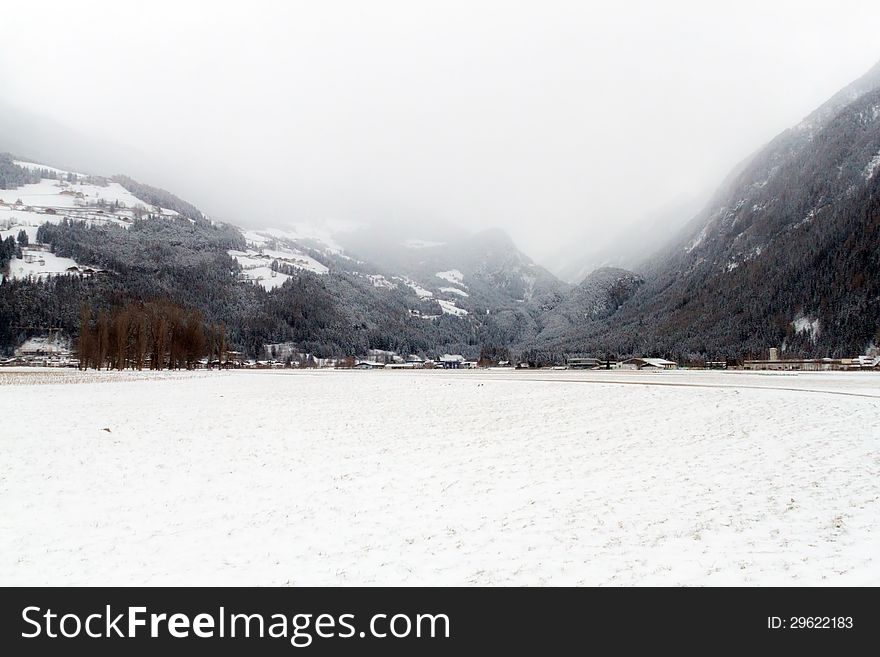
[[155, 335], [9, 249], [160, 197], [13, 176]]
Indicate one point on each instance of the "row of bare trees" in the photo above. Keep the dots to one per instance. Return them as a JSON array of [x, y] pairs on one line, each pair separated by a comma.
[[154, 335]]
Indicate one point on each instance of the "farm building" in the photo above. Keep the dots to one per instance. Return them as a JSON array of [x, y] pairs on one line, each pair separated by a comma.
[[451, 361], [368, 365], [579, 363], [648, 363]]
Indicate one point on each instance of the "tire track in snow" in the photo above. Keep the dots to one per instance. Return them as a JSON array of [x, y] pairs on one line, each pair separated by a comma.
[[674, 384]]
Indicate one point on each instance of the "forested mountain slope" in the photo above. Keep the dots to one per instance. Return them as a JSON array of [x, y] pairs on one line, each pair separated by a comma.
[[786, 254], [105, 243]]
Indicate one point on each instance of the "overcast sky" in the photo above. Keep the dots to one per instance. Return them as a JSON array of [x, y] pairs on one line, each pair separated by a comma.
[[553, 120]]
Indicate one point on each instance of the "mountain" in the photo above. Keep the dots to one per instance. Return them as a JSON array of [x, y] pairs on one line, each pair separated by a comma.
[[330, 290], [787, 252], [495, 270], [480, 285], [572, 316]]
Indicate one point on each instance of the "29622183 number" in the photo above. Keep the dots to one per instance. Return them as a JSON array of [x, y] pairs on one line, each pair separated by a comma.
[[820, 622]]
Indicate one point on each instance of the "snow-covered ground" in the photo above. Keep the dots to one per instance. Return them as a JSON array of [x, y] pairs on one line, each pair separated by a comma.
[[39, 264], [27, 220], [257, 265], [430, 477], [379, 280], [454, 290], [421, 292], [52, 201], [453, 276], [49, 194], [449, 308], [872, 167]]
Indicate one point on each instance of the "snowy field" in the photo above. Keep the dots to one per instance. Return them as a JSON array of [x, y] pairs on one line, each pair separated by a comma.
[[486, 477]]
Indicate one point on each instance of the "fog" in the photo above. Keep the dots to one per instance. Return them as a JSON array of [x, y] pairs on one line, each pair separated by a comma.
[[556, 121]]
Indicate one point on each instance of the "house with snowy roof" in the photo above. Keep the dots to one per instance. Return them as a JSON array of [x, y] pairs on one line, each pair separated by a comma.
[[451, 361], [648, 363], [368, 365]]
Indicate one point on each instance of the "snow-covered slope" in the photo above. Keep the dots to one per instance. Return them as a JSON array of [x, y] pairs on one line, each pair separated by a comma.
[[60, 195], [449, 290], [457, 274], [80, 191], [38, 263], [262, 265]]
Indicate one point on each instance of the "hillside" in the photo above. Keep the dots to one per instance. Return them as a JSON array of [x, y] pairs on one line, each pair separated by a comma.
[[572, 317], [786, 254], [104, 243]]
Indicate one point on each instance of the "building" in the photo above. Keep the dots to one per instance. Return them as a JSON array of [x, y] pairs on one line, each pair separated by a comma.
[[451, 361], [866, 362], [583, 363], [368, 365], [51, 349], [383, 356], [648, 363]]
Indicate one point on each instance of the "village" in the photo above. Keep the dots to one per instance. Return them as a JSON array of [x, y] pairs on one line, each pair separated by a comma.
[[51, 348]]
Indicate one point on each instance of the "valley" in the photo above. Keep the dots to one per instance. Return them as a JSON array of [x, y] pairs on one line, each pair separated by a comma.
[[784, 256]]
